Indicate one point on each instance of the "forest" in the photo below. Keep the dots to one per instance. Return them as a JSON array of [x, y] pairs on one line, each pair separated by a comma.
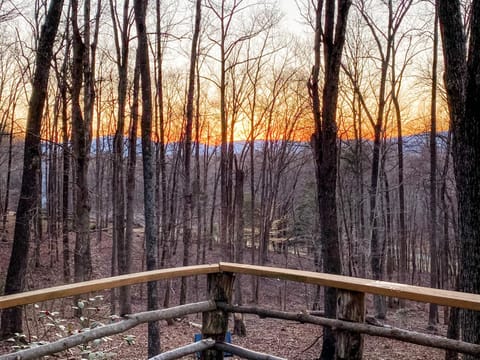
[[332, 136]]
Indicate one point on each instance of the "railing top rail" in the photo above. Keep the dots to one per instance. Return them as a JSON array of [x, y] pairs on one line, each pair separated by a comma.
[[30, 297], [384, 288], [415, 293]]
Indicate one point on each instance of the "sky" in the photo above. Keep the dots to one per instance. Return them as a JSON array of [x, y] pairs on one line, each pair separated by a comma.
[[292, 18], [292, 22]]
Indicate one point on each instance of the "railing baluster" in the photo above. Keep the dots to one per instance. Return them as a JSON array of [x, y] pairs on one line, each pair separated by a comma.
[[350, 307], [215, 323]]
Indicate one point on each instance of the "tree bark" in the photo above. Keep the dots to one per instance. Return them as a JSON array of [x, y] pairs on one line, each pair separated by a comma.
[[402, 239], [15, 280], [7, 184], [434, 254], [376, 247], [83, 70], [324, 142], [131, 165], [118, 182], [215, 322], [351, 307], [187, 186], [224, 205], [66, 158], [461, 79], [151, 239]]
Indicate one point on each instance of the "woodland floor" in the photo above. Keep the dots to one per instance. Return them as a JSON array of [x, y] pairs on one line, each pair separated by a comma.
[[281, 338]]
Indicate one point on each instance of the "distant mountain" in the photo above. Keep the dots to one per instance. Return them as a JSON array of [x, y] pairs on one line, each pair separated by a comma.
[[419, 142], [412, 144], [416, 143], [105, 145]]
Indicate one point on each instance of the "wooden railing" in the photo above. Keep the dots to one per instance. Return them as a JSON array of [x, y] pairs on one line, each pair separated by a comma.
[[62, 291], [349, 323]]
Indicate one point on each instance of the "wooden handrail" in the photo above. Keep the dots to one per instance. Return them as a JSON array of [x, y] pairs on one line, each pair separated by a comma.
[[30, 297], [410, 292], [404, 291], [220, 279]]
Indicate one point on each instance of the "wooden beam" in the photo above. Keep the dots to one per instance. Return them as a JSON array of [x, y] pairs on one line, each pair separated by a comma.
[[413, 337], [129, 322], [350, 307], [245, 353], [62, 291], [185, 350], [215, 322], [402, 291]]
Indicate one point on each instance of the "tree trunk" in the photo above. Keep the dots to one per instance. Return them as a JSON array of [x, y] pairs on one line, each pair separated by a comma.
[[453, 332], [15, 280], [376, 253], [66, 172], [461, 78], [224, 205], [161, 170], [351, 307], [239, 323], [7, 185], [131, 166], [148, 172], [118, 182], [187, 186], [402, 235], [434, 283], [81, 148], [215, 323], [324, 142]]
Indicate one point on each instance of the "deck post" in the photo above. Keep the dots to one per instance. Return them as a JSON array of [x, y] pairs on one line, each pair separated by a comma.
[[215, 323], [351, 307]]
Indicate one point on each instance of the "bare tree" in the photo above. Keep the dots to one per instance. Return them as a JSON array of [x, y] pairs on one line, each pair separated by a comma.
[[62, 83], [254, 75], [187, 153], [354, 68], [15, 280], [462, 69], [324, 142], [434, 281], [385, 43], [8, 10], [83, 73], [226, 11], [13, 98], [132, 159], [151, 239], [121, 37]]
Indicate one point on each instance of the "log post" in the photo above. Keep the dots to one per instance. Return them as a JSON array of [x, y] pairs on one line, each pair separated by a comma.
[[351, 307], [215, 323]]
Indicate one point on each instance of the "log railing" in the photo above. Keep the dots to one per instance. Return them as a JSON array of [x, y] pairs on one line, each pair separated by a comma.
[[349, 323]]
